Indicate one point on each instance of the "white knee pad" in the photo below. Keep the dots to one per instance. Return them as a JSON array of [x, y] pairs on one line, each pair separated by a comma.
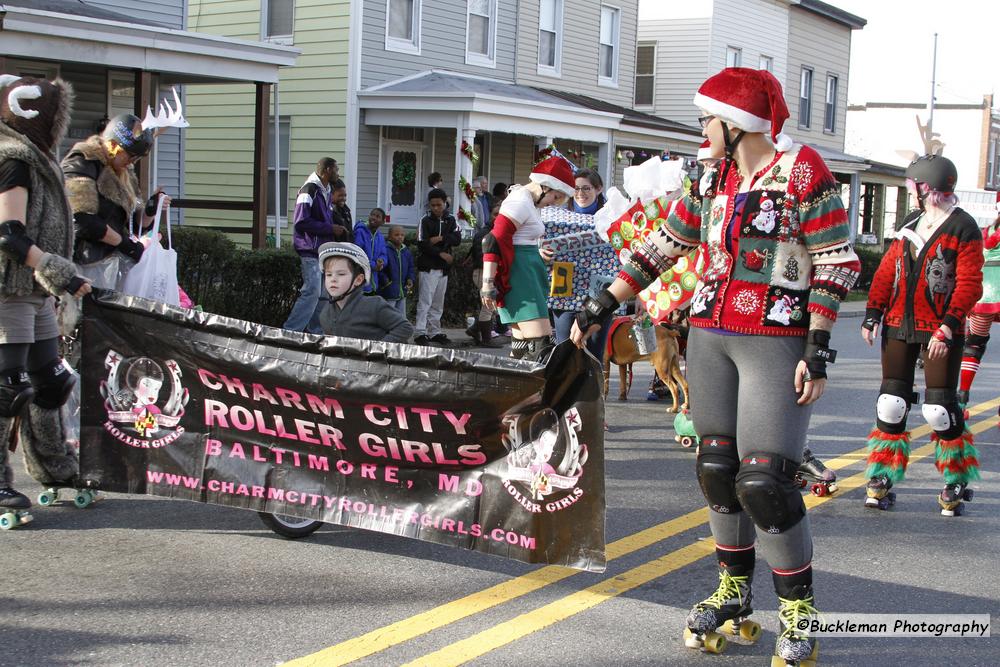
[[891, 409], [937, 416]]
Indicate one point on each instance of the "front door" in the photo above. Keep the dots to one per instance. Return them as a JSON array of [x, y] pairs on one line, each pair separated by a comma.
[[403, 188]]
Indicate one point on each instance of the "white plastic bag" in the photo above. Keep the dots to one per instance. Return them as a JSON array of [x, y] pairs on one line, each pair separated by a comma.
[[155, 275]]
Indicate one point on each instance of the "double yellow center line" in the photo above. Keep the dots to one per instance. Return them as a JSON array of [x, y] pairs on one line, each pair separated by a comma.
[[497, 636]]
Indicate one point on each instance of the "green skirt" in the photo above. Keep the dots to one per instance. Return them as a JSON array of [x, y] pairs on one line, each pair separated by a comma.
[[528, 296]]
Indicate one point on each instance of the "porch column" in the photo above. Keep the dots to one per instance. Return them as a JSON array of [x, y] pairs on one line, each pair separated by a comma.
[[540, 143], [604, 153], [852, 211], [142, 100], [258, 232], [463, 168]]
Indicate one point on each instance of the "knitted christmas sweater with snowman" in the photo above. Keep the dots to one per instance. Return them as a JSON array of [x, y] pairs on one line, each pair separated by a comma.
[[772, 255], [940, 286]]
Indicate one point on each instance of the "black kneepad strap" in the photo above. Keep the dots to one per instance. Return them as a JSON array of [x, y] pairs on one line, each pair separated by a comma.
[[717, 466], [15, 392], [53, 385], [767, 491]]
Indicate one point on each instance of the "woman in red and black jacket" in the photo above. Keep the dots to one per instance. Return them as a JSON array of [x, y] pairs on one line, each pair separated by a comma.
[[926, 285]]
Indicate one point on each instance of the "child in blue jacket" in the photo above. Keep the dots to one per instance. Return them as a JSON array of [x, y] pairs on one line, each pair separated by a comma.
[[400, 272], [368, 236]]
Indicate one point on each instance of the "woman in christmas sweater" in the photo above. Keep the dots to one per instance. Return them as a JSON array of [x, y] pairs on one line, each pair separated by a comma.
[[984, 313], [926, 285], [515, 279], [779, 261]]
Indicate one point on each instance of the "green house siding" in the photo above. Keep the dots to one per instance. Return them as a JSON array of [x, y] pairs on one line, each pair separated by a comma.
[[312, 96]]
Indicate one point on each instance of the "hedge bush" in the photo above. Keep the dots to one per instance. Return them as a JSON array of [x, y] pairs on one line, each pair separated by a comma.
[[870, 257], [262, 285]]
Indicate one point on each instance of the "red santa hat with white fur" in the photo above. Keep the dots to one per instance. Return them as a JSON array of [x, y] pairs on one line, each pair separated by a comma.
[[555, 173], [749, 99]]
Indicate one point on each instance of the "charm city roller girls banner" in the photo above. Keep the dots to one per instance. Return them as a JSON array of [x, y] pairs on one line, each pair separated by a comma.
[[452, 447]]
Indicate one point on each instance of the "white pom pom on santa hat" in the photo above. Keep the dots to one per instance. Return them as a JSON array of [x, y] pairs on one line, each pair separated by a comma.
[[705, 150], [749, 99]]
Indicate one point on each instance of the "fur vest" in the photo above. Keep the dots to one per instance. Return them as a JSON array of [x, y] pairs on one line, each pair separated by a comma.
[[49, 221], [96, 190]]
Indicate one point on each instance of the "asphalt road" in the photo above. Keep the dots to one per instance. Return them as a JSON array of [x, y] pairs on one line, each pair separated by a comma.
[[147, 581]]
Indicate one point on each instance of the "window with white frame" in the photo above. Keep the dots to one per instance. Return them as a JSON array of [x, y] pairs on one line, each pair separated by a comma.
[[734, 56], [550, 36], [805, 97], [284, 133], [607, 67], [645, 74], [402, 25], [277, 20], [480, 45], [766, 63], [830, 117]]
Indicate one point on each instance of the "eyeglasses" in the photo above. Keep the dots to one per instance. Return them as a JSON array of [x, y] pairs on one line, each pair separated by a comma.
[[705, 120], [583, 188]]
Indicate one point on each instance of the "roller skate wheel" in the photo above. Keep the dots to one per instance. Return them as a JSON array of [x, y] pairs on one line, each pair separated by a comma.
[[691, 640], [82, 499], [818, 490], [802, 482], [872, 502], [832, 486], [48, 498], [750, 631], [714, 642], [687, 441], [8, 521], [967, 494]]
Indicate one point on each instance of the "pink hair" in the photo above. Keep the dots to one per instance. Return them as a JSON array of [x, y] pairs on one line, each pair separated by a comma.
[[935, 198]]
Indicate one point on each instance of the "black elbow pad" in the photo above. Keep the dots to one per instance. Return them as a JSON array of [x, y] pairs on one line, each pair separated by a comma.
[[490, 245], [89, 226]]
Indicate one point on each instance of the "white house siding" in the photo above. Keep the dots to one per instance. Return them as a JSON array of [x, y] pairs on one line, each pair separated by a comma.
[[878, 131], [682, 54], [165, 12], [758, 27], [442, 43], [366, 190], [825, 46], [580, 49]]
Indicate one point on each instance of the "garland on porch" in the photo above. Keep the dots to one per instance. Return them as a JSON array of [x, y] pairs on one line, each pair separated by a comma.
[[469, 151]]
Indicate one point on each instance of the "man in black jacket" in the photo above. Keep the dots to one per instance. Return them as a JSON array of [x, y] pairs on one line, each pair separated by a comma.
[[437, 236]]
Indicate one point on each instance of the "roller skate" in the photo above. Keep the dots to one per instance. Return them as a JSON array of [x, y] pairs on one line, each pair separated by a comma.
[[951, 498], [879, 495], [725, 612], [684, 428], [82, 496], [813, 472], [14, 508], [795, 648]]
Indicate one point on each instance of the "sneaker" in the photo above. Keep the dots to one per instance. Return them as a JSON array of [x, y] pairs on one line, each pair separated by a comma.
[[421, 340], [440, 339]]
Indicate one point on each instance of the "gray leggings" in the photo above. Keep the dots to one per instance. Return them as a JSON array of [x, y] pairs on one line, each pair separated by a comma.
[[742, 387]]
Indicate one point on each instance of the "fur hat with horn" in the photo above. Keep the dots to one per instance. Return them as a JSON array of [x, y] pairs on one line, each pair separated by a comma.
[[37, 108]]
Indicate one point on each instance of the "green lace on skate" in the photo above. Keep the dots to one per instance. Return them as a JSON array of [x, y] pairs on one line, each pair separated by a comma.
[[791, 612], [729, 587]]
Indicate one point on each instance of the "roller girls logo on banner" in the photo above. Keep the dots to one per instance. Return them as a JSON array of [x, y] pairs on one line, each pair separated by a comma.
[[545, 459], [133, 395]]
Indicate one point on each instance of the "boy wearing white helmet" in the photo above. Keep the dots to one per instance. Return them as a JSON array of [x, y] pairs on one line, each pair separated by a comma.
[[351, 313]]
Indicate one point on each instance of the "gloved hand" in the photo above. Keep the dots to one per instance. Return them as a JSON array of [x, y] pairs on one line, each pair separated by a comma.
[[597, 311], [131, 249]]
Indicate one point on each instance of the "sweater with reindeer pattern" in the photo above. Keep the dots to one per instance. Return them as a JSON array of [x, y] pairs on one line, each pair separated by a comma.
[[921, 285]]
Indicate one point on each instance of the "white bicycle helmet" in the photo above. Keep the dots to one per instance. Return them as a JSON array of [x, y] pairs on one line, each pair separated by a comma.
[[349, 251]]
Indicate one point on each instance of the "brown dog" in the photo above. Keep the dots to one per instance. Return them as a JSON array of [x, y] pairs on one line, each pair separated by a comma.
[[622, 351]]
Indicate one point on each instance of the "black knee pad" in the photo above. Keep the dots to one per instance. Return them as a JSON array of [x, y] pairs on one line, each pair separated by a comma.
[[539, 349], [943, 413], [53, 385], [518, 347], [15, 392], [975, 346], [766, 489], [717, 466], [893, 405]]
